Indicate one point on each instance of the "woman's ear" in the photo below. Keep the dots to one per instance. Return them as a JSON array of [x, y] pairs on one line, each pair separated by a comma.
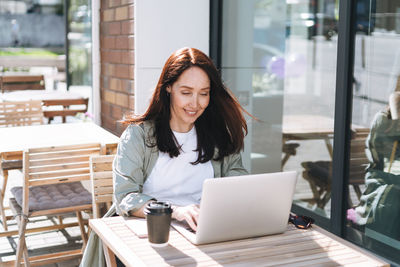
[[168, 89]]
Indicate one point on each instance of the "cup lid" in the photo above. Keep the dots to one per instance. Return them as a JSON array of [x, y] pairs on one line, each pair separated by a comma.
[[156, 207]]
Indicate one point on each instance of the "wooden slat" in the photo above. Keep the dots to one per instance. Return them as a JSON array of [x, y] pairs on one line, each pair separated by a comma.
[[59, 155], [56, 161], [22, 86], [61, 167], [102, 181], [53, 180], [21, 113], [22, 78], [58, 173], [62, 148]]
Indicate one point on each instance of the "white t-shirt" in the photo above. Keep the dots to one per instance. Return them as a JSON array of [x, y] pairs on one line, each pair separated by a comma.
[[175, 179]]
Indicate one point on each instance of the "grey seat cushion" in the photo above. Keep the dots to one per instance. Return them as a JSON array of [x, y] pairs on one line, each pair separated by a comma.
[[54, 196]]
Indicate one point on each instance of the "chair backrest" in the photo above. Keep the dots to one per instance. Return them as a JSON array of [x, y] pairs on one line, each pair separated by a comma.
[[65, 107], [54, 165], [21, 113], [21, 82], [358, 158], [102, 182]]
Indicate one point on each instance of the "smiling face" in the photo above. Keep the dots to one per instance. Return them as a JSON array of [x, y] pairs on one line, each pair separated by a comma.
[[190, 96]]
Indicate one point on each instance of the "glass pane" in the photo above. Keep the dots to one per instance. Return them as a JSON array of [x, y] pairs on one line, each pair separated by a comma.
[[80, 42], [283, 72], [374, 183]]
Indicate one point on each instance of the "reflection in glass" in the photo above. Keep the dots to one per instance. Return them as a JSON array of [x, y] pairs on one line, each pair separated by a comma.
[[283, 72], [374, 216], [79, 42]]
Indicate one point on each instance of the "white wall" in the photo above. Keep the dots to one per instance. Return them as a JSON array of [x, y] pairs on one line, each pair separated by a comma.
[[161, 27]]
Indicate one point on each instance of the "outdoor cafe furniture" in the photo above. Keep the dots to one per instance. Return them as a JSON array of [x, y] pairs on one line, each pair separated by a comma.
[[17, 139], [295, 247], [21, 81], [51, 186], [16, 114], [56, 103], [102, 183]]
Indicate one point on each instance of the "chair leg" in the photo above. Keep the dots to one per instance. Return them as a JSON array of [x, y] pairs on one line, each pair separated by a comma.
[[82, 228], [22, 250], [2, 192]]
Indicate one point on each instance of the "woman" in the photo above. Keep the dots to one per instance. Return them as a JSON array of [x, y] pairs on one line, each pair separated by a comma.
[[193, 129], [379, 207]]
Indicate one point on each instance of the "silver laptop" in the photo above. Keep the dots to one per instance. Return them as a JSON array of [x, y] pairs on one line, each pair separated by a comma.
[[241, 207]]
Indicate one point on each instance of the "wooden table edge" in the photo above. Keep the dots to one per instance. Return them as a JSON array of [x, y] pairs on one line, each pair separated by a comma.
[[103, 230]]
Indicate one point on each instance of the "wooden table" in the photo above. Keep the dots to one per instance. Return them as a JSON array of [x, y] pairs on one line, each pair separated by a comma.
[[311, 127], [56, 103], [16, 139], [293, 248]]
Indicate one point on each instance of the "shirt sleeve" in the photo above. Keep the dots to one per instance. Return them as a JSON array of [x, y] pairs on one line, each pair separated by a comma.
[[128, 171], [233, 166]]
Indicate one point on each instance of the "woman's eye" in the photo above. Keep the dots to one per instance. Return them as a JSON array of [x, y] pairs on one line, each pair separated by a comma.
[[185, 93], [204, 94]]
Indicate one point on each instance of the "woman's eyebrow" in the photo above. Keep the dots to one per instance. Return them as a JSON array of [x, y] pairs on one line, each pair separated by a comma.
[[191, 88]]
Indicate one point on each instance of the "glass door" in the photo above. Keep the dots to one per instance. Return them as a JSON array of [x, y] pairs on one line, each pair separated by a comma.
[[79, 43], [279, 58], [373, 212]]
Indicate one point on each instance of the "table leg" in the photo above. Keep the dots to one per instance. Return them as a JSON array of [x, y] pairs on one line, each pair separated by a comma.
[[329, 146], [110, 256]]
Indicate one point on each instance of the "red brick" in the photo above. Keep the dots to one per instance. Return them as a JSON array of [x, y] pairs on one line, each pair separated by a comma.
[[110, 70], [127, 57], [131, 41], [121, 13], [108, 15], [109, 42], [109, 124], [116, 112], [109, 96], [115, 84], [114, 28], [104, 82], [122, 42], [131, 103], [127, 27], [131, 13], [130, 86], [121, 99], [122, 71], [105, 107], [114, 3]]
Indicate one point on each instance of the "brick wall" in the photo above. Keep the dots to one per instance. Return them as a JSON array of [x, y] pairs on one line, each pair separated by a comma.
[[117, 62]]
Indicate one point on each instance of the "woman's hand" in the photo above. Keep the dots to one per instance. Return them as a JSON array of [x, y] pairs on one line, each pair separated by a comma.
[[188, 213]]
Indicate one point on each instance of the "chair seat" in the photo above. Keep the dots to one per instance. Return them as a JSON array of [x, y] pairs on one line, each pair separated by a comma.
[[54, 196], [319, 172]]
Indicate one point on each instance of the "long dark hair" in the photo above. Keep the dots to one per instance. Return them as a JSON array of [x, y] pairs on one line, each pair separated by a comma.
[[222, 124]]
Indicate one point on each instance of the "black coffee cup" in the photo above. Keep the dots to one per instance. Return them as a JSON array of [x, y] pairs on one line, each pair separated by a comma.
[[158, 217]]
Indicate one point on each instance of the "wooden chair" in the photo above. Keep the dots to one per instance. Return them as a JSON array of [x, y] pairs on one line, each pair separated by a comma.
[[319, 173], [21, 82], [21, 113], [102, 182], [16, 114], [65, 107], [52, 187]]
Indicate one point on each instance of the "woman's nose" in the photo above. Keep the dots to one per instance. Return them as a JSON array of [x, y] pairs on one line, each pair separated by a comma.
[[194, 101]]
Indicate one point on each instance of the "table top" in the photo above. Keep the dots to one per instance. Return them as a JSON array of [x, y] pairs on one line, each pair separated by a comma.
[[26, 95], [295, 247], [24, 137], [310, 126]]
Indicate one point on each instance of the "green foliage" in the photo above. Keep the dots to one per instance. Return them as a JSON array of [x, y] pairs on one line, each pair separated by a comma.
[[28, 52]]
